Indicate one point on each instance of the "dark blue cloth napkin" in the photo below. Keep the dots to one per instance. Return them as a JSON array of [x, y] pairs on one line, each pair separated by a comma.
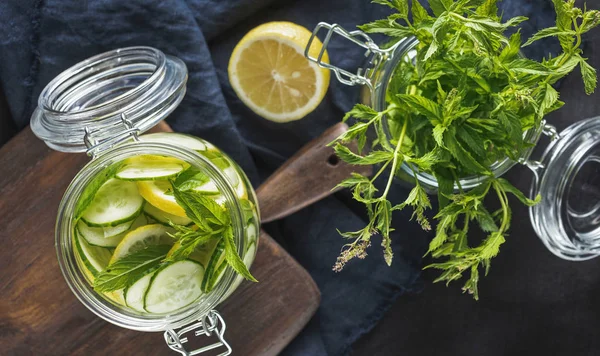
[[39, 39]]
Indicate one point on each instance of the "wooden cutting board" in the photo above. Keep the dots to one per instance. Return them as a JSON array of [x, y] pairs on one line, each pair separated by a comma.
[[39, 314]]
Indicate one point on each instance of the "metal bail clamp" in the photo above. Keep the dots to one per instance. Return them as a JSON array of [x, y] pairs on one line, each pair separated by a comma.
[[357, 37], [212, 322], [95, 146]]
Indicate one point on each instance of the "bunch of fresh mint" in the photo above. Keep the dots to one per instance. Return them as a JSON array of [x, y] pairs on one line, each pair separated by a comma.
[[465, 103]]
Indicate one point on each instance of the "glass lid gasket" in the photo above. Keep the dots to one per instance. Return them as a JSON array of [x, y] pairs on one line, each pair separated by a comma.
[[558, 179], [141, 82]]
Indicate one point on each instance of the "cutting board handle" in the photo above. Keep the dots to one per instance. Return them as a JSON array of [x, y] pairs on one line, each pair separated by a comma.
[[308, 176]]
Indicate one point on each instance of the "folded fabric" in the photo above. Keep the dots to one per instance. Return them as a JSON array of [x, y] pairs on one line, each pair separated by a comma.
[[39, 39]]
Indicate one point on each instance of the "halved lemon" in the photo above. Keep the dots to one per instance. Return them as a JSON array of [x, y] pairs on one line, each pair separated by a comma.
[[269, 73]]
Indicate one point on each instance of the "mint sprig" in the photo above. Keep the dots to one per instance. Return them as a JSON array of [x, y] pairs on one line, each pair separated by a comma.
[[125, 271], [213, 222], [464, 105]]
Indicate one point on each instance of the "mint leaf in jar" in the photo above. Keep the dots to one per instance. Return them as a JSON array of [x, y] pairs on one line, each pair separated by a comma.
[[214, 229], [125, 271]]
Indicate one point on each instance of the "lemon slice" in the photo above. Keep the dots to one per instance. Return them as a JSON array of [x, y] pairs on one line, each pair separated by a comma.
[[269, 73], [160, 194], [142, 237]]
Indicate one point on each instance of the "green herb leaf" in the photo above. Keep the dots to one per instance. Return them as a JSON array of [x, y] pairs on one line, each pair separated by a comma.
[[445, 186], [361, 112], [127, 270], [591, 19], [423, 106], [201, 209], [372, 158], [506, 186], [190, 179], [485, 220], [590, 78], [232, 257], [419, 13], [440, 6], [548, 32], [489, 8], [462, 155], [513, 48], [189, 240], [550, 97], [399, 5], [564, 23], [528, 66], [386, 27], [384, 211]]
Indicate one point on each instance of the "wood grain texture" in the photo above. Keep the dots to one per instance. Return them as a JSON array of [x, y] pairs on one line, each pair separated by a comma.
[[310, 175], [39, 314]]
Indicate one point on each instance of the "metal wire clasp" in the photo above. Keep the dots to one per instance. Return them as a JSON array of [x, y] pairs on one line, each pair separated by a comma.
[[358, 37], [94, 145], [212, 322]]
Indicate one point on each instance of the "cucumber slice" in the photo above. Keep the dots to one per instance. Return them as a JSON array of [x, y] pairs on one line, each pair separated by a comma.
[[163, 217], [94, 258], [213, 268], [90, 190], [134, 295], [111, 231], [98, 236], [233, 176], [142, 237], [241, 192], [250, 254], [176, 139], [203, 253], [150, 167], [174, 287], [115, 202], [250, 234]]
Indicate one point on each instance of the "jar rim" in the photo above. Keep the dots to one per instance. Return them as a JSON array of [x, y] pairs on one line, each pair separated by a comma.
[[75, 278], [141, 82]]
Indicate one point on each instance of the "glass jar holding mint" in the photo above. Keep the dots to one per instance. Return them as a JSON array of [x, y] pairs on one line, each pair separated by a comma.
[[450, 104], [157, 229]]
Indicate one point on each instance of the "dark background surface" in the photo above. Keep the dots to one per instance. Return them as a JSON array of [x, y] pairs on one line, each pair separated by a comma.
[[531, 302]]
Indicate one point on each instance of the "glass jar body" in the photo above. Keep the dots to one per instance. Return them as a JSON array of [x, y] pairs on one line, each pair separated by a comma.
[[376, 93], [240, 201]]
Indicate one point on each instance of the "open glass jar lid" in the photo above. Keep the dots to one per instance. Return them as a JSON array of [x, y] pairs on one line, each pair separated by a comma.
[[567, 177], [129, 239], [142, 82]]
